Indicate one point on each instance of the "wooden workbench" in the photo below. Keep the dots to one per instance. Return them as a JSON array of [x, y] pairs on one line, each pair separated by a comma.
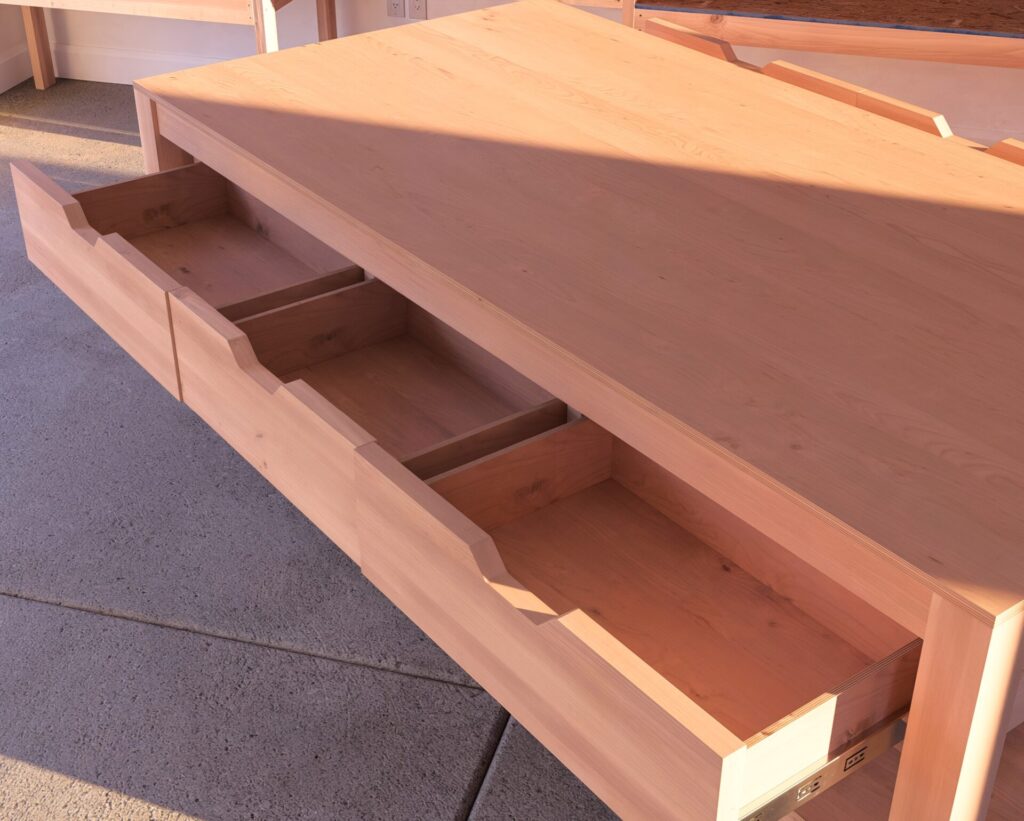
[[785, 330], [260, 14]]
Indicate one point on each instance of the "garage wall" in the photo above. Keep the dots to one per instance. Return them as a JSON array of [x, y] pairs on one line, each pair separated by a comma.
[[14, 64], [118, 48]]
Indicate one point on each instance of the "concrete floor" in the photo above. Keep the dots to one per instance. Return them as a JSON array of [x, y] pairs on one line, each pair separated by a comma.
[[176, 641]]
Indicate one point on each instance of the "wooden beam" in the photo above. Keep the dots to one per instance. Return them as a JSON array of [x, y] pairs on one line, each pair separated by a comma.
[[705, 44], [326, 19], [158, 153], [38, 47], [1011, 150], [837, 38], [963, 698], [862, 98], [265, 19]]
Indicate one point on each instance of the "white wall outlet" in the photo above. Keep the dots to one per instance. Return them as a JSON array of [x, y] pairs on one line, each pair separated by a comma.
[[418, 9], [396, 8]]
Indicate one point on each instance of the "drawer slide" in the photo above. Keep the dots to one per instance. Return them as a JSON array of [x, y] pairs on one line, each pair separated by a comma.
[[806, 786]]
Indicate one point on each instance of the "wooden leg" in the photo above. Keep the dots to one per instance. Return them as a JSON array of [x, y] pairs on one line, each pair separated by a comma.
[[265, 16], [628, 12], [38, 47], [326, 19], [158, 153], [965, 688]]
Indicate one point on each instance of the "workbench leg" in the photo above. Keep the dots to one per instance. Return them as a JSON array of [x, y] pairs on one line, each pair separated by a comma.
[[966, 684], [326, 19], [158, 153], [628, 12], [265, 16], [38, 47]]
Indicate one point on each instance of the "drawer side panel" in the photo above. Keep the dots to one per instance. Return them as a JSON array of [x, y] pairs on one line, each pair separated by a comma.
[[117, 287], [632, 751], [301, 443]]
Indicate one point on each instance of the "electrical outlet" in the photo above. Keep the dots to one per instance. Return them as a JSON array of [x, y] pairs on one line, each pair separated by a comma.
[[418, 9], [396, 8]]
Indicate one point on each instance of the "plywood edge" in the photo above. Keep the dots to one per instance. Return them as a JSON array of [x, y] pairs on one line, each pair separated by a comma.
[[881, 691]]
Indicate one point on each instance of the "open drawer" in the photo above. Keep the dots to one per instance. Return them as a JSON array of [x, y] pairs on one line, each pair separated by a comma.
[[296, 389], [680, 662], [684, 665], [281, 344], [117, 251]]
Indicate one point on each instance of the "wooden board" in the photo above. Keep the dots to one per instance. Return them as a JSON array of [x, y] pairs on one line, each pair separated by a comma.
[[829, 301], [208, 11], [1005, 16], [800, 34], [121, 290]]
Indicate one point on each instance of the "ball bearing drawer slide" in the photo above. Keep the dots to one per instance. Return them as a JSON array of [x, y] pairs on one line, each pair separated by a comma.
[[796, 792]]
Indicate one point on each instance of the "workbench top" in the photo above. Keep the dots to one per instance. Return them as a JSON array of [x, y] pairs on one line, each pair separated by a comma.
[[787, 298]]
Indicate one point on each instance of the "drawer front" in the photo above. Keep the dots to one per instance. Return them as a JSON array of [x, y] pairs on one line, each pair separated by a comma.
[[301, 443], [118, 287]]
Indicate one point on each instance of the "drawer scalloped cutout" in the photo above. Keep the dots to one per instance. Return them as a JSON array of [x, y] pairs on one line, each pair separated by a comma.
[[297, 388], [574, 577], [117, 251]]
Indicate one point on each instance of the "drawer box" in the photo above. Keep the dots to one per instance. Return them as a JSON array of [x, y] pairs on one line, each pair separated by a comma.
[[297, 389], [117, 252], [604, 602], [679, 661]]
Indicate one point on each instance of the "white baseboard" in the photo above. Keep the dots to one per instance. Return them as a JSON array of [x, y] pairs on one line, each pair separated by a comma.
[[14, 67], [117, 65]]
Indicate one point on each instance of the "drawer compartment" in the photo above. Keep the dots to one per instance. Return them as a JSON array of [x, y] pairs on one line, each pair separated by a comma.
[[296, 389], [574, 577], [682, 663], [117, 251]]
